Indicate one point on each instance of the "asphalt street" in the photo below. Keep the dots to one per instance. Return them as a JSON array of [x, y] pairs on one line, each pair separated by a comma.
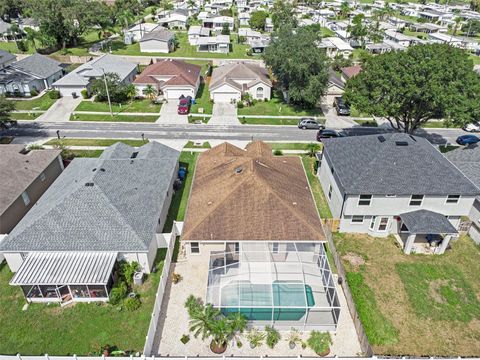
[[37, 130]]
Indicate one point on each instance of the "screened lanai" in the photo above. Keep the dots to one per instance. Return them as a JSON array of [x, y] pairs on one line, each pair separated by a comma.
[[284, 284], [66, 276]]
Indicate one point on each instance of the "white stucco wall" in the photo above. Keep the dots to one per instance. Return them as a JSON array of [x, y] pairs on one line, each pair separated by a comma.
[[14, 261], [267, 91], [153, 46]]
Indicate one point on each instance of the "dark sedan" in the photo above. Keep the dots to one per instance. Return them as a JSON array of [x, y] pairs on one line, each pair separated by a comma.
[[329, 133]]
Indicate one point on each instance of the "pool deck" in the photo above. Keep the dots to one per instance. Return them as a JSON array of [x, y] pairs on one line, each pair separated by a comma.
[[174, 321]]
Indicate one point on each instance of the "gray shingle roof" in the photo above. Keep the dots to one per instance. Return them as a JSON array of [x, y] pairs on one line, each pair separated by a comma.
[[5, 57], [427, 222], [119, 212], [399, 165], [467, 160], [38, 65], [160, 35]]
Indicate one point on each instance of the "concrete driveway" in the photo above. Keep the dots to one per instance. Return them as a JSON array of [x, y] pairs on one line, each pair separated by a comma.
[[332, 119], [169, 115], [224, 114], [61, 110]]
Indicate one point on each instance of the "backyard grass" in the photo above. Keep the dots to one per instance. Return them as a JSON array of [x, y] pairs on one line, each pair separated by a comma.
[[476, 59], [191, 144], [96, 142], [86, 153], [371, 123], [135, 106], [269, 121], [25, 116], [184, 49], [320, 200], [115, 118], [276, 106], [80, 329], [84, 43], [202, 100], [416, 305], [179, 202], [41, 103]]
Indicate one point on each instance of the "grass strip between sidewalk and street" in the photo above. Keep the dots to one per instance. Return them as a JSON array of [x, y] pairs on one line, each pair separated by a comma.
[[96, 142], [114, 118]]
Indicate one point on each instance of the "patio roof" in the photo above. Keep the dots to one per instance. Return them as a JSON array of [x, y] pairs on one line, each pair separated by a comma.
[[427, 222], [65, 268]]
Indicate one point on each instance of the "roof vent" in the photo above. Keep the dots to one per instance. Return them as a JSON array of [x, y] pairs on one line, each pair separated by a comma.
[[294, 203], [89, 184], [381, 138], [238, 170], [401, 143], [102, 169], [94, 169], [134, 155]]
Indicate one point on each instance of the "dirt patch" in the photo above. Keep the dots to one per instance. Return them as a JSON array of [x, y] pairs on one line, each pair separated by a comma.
[[434, 290], [354, 259]]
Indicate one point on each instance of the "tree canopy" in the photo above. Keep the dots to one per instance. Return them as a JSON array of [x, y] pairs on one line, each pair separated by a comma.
[[300, 67], [119, 92], [283, 14], [257, 19], [6, 108], [409, 88]]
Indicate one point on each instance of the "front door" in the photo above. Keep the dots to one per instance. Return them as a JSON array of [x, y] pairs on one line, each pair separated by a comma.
[[64, 294]]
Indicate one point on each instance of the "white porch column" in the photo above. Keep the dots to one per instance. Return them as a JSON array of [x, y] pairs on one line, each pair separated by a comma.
[[409, 243], [444, 244]]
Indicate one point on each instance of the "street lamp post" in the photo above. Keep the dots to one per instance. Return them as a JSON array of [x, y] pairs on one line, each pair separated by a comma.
[[108, 93]]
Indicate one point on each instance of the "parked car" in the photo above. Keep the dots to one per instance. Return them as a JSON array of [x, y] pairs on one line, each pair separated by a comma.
[[467, 140], [329, 133], [310, 123], [472, 127], [341, 107], [184, 105]]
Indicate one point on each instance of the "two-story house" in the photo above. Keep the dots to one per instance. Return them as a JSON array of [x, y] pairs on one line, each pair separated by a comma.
[[394, 184]]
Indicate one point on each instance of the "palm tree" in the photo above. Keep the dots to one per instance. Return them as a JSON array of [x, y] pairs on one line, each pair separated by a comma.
[[131, 91], [202, 322], [312, 149], [31, 37], [150, 92], [456, 26], [126, 18], [238, 322], [344, 9]]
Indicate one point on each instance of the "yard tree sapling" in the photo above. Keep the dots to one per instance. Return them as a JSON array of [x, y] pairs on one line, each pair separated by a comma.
[[409, 88], [257, 19]]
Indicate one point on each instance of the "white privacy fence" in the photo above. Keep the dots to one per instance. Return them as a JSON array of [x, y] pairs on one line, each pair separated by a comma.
[[157, 307], [74, 357]]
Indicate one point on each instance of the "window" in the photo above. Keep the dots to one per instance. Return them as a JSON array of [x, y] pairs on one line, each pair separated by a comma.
[[453, 199], [383, 224], [237, 248], [194, 248], [357, 219], [364, 200], [260, 93], [330, 191], [275, 248], [372, 223], [416, 200], [42, 177], [26, 199]]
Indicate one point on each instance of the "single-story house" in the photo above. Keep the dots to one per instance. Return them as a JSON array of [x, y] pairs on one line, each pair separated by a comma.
[[334, 46], [216, 23], [244, 18], [252, 217], [176, 19], [81, 78], [216, 44], [400, 39], [99, 211], [171, 78], [195, 32], [230, 81], [335, 84], [25, 176], [33, 73], [395, 184], [138, 31], [161, 41]]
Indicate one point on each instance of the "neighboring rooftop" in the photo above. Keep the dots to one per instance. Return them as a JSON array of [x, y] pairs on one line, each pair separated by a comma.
[[467, 159], [6, 57], [351, 71], [250, 195], [38, 65], [111, 203], [19, 169], [396, 164], [231, 73], [160, 35], [180, 73]]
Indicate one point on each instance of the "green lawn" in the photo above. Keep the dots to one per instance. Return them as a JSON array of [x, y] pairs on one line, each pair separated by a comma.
[[414, 305], [184, 49], [42, 103], [135, 106], [191, 144], [79, 329], [115, 118], [179, 202], [202, 100], [420, 35], [320, 200], [288, 146], [96, 142], [476, 59], [86, 153], [276, 106], [24, 116], [84, 43], [268, 121], [444, 149], [193, 119], [326, 32]]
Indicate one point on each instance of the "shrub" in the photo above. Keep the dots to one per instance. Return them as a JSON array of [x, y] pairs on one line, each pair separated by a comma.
[[320, 342], [277, 152], [240, 104], [54, 94], [85, 94], [34, 92], [273, 336], [118, 293], [255, 337], [193, 305], [127, 270], [22, 46], [132, 303], [185, 339], [176, 278]]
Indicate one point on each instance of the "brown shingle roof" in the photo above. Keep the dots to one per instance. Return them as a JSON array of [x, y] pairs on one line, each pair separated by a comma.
[[250, 195], [229, 73], [351, 71], [18, 169], [182, 73]]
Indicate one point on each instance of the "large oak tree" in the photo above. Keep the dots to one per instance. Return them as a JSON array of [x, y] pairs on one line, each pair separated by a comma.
[[409, 88]]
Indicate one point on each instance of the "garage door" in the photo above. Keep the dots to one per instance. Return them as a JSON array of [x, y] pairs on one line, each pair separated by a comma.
[[225, 97], [69, 90], [175, 94]]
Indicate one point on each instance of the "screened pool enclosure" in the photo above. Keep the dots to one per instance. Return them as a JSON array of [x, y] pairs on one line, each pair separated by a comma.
[[275, 283]]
